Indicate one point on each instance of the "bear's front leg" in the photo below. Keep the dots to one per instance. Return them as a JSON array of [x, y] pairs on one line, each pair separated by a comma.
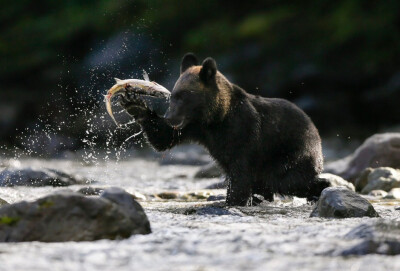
[[239, 192]]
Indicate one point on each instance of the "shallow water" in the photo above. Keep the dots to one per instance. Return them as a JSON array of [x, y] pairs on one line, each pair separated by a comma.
[[274, 236]]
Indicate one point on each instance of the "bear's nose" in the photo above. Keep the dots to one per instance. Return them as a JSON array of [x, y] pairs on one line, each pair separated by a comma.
[[173, 120]]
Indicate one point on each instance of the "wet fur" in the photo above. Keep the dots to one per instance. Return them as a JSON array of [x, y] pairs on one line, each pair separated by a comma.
[[264, 145]]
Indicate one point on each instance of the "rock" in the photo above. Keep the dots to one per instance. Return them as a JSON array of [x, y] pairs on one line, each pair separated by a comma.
[[383, 178], [393, 194], [362, 180], [168, 195], [90, 191], [210, 170], [190, 196], [199, 195], [377, 193], [379, 150], [379, 237], [335, 181], [36, 177], [73, 217], [139, 196], [340, 202], [373, 247]]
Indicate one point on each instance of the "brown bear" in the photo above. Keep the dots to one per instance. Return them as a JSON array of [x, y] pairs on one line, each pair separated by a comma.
[[264, 145]]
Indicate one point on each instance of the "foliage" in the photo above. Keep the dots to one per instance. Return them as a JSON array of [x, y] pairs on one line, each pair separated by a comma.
[[345, 48]]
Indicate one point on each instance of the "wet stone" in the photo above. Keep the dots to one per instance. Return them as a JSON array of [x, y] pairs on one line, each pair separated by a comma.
[[199, 195], [139, 196], [377, 193], [73, 217], [379, 150], [191, 196], [339, 202], [378, 237], [362, 180], [393, 194], [335, 181], [383, 178], [167, 195], [37, 177], [386, 247]]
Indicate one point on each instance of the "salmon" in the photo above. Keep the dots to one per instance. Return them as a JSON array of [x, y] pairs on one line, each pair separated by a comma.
[[140, 87]]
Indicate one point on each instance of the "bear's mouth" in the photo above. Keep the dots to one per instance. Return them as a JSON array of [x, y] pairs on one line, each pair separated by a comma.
[[180, 125]]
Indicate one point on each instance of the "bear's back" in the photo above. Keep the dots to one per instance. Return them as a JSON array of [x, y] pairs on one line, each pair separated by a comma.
[[286, 130]]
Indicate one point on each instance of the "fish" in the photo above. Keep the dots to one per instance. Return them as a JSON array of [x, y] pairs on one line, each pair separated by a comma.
[[141, 87]]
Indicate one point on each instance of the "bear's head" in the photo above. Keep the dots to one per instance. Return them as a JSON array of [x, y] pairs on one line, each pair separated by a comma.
[[201, 95]]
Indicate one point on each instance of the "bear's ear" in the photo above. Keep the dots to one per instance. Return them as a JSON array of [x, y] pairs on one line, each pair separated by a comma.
[[188, 61], [208, 70]]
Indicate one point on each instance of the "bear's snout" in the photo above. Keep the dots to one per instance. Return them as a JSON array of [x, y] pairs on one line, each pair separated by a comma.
[[174, 120]]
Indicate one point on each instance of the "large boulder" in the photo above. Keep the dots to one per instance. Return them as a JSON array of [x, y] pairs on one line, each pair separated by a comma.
[[73, 217], [383, 178], [340, 202], [379, 150], [36, 177]]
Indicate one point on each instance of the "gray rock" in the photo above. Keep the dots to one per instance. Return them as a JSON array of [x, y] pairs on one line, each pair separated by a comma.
[[393, 194], [73, 217], [362, 180], [379, 237], [383, 178], [377, 193], [376, 229], [36, 177], [211, 170], [336, 181], [385, 247], [340, 202], [379, 150]]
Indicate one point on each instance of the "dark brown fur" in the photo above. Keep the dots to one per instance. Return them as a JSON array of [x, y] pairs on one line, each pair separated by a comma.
[[265, 146]]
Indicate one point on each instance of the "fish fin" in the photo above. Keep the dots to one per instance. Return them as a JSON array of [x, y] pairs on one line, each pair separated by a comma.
[[146, 76], [117, 80]]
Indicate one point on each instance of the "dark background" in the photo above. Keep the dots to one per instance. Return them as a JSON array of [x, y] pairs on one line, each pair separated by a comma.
[[338, 60]]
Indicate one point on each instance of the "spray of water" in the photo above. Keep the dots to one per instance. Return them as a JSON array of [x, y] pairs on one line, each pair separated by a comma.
[[57, 133]]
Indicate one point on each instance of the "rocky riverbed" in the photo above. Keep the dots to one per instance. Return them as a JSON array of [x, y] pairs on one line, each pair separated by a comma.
[[191, 233]]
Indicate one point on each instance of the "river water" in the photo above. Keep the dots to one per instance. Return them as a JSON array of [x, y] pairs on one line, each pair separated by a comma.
[[194, 235]]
